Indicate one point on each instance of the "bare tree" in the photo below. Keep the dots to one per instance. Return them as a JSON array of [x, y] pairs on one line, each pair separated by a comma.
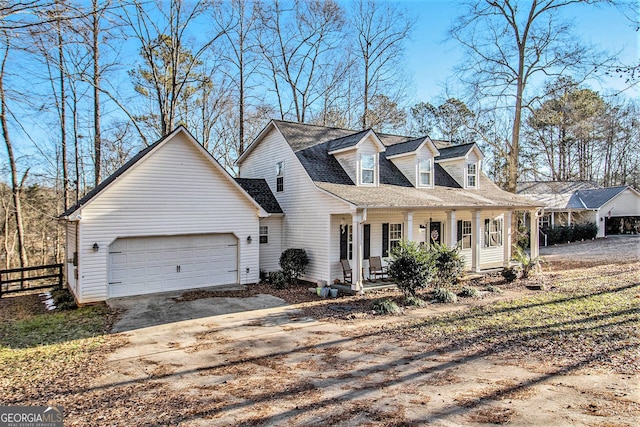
[[299, 45], [507, 45], [16, 185], [238, 20], [381, 30], [169, 63]]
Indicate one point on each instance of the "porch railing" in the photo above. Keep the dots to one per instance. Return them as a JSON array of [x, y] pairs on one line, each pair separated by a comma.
[[29, 278], [545, 236]]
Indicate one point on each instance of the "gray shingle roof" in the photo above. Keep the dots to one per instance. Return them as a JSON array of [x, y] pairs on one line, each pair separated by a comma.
[[488, 196], [261, 193], [347, 141], [312, 145], [404, 147], [593, 199], [553, 187], [454, 151]]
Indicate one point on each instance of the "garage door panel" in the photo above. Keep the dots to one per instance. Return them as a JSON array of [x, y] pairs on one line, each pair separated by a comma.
[[150, 264]]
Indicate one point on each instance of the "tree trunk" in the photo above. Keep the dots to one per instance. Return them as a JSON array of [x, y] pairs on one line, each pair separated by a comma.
[[15, 186], [63, 118], [97, 143]]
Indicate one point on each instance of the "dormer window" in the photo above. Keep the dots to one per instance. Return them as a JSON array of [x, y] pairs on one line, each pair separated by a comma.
[[367, 169], [425, 173], [472, 175]]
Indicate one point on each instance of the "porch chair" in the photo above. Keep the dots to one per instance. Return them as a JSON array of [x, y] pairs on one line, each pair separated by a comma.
[[376, 268], [346, 271]]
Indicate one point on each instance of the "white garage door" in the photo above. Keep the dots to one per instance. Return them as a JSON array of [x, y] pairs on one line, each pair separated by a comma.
[[143, 265]]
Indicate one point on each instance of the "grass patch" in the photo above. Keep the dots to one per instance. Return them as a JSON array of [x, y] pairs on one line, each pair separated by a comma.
[[586, 321], [38, 349]]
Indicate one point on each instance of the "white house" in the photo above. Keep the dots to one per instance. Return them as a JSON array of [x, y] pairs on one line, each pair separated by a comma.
[[615, 210], [169, 219], [173, 219], [350, 194]]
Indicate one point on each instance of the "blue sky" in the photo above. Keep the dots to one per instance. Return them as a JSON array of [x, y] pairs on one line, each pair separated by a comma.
[[431, 59]]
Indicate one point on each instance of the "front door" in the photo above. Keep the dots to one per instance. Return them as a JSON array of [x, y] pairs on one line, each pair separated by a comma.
[[435, 232]]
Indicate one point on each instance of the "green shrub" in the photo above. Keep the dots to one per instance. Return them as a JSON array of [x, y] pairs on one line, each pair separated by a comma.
[[278, 279], [293, 263], [444, 295], [469, 292], [411, 268], [414, 302], [510, 273], [385, 306], [449, 264], [572, 233], [494, 289]]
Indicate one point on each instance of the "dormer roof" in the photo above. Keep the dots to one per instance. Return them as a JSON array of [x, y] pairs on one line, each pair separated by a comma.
[[458, 152], [409, 147], [351, 142]]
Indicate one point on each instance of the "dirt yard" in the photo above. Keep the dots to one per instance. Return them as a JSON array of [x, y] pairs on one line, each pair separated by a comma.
[[567, 355]]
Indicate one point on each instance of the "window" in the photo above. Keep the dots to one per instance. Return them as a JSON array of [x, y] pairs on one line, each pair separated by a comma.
[[425, 173], [346, 241], [391, 237], [280, 176], [464, 234], [367, 167], [264, 234], [492, 232], [472, 175], [545, 221]]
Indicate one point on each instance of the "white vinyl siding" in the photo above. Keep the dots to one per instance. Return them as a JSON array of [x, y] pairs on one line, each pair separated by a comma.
[[409, 165], [270, 252], [307, 208], [71, 256], [174, 190]]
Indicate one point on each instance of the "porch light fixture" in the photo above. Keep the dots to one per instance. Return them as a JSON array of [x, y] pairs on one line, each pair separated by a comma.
[[249, 239], [95, 247], [423, 227]]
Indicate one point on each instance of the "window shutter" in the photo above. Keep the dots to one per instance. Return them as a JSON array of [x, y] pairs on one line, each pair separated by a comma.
[[385, 239], [486, 232], [459, 240], [367, 241], [344, 241]]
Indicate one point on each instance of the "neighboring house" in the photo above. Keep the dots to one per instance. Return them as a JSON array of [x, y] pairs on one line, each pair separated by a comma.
[[350, 194], [615, 210], [169, 219]]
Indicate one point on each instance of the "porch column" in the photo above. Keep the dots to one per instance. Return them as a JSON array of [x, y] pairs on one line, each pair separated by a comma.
[[506, 238], [453, 229], [535, 234], [356, 267], [553, 219], [477, 241], [569, 218], [409, 222]]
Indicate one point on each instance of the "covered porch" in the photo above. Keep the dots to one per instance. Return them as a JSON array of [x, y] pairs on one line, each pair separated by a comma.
[[484, 236]]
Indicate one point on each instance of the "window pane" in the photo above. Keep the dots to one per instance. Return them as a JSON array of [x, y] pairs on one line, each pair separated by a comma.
[[367, 177], [279, 169], [425, 178], [368, 162]]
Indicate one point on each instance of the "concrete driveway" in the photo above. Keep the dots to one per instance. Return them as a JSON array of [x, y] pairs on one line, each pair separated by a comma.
[[163, 308]]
